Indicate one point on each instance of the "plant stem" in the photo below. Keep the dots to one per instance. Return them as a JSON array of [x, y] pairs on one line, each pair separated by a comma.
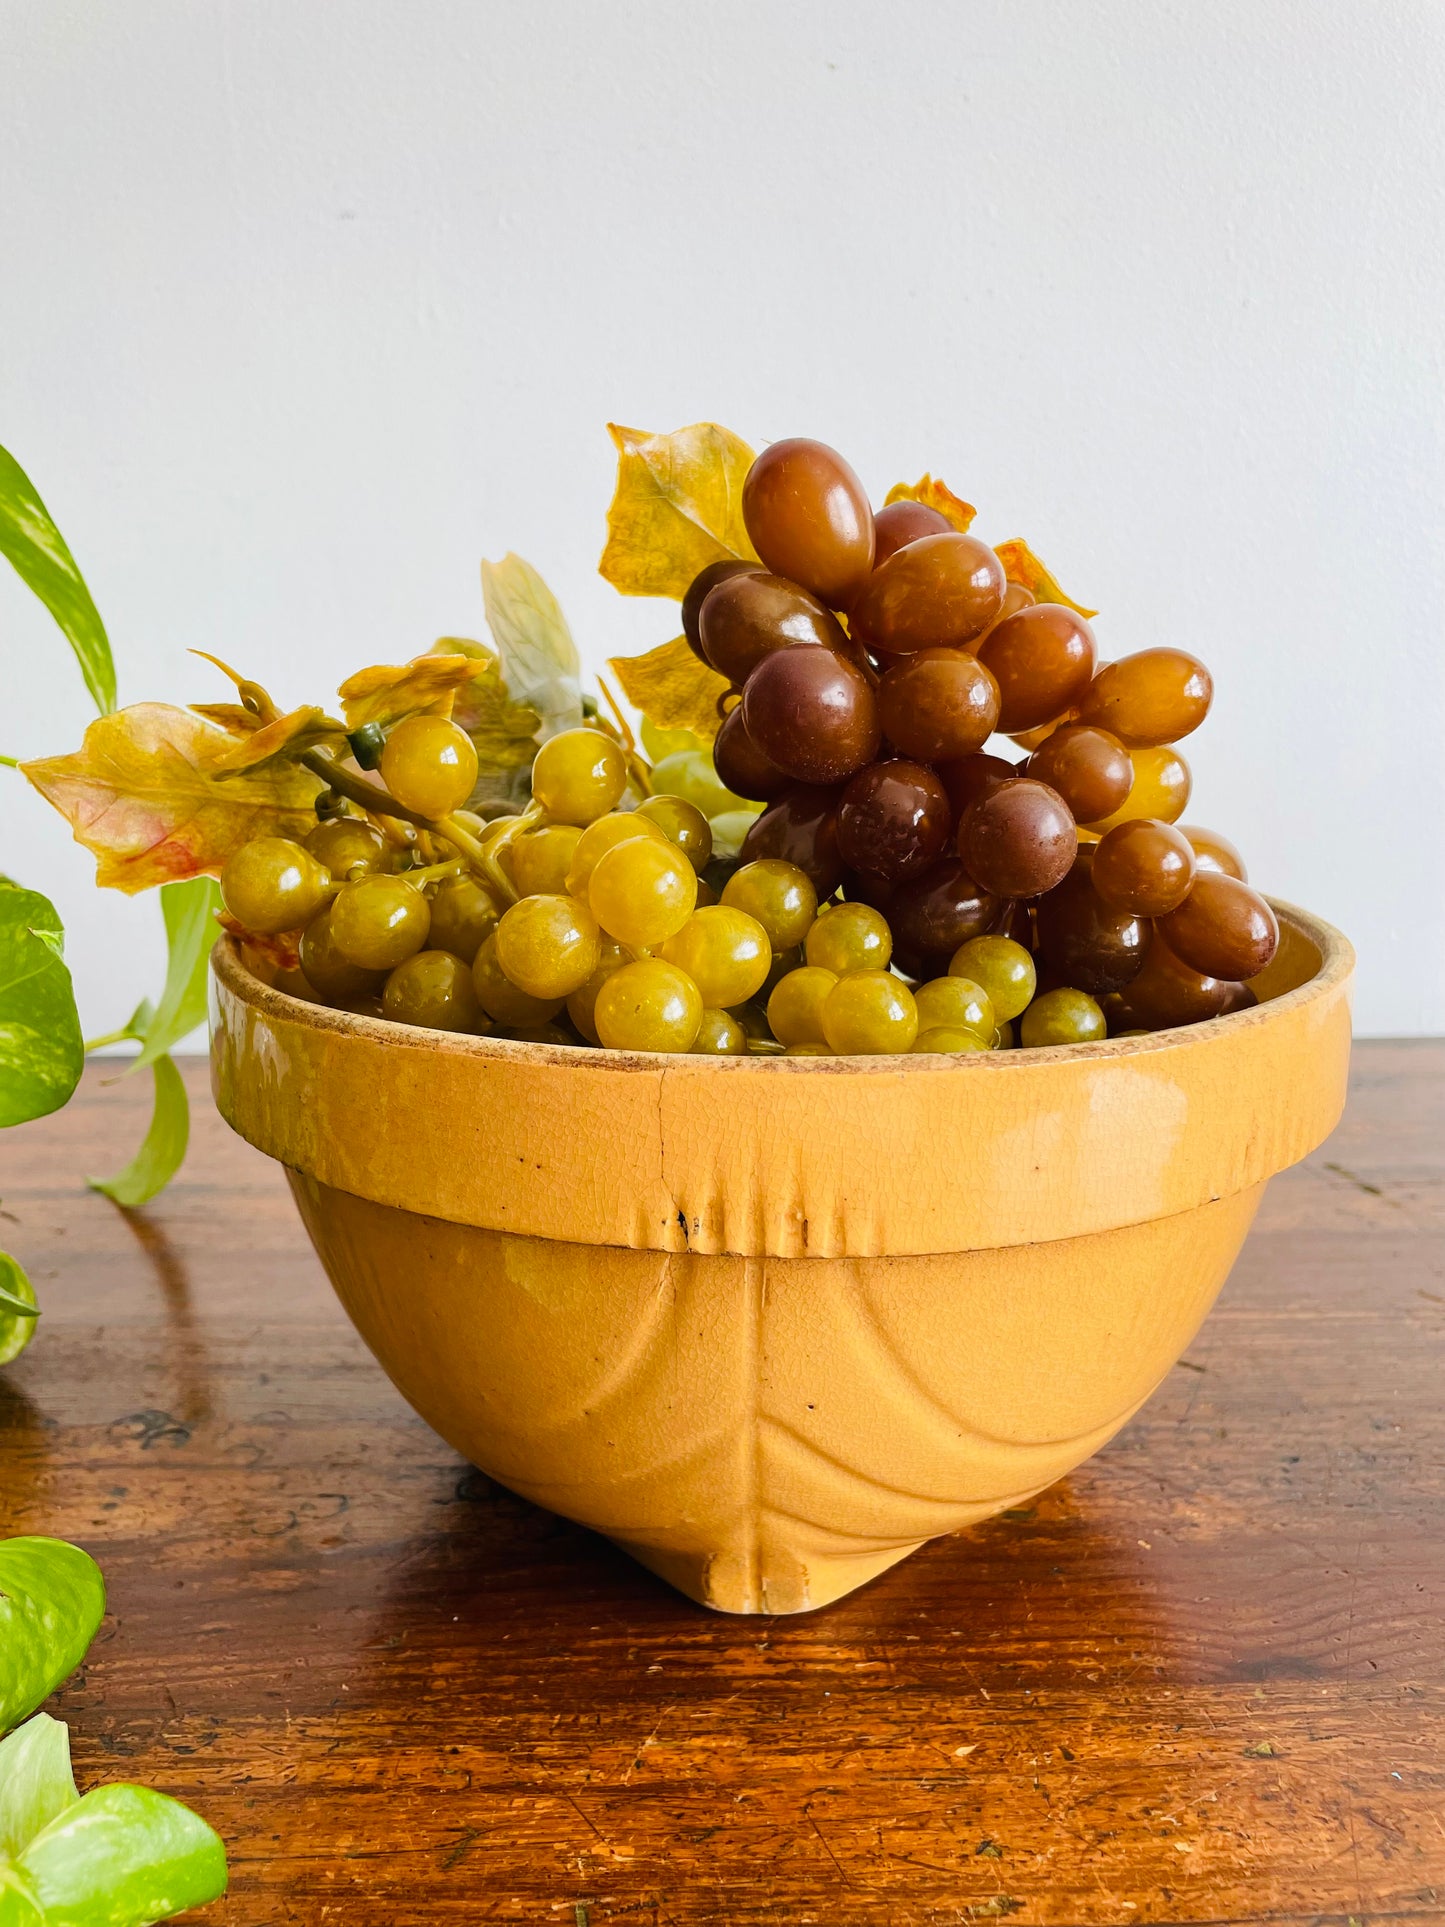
[[357, 790], [126, 1036]]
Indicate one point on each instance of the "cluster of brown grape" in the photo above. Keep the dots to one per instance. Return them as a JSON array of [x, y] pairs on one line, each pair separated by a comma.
[[903, 889]]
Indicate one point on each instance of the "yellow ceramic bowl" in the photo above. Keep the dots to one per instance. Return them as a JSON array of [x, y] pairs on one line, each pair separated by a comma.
[[771, 1323]]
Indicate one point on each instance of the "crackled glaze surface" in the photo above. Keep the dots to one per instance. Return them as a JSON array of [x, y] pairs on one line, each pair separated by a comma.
[[772, 1323]]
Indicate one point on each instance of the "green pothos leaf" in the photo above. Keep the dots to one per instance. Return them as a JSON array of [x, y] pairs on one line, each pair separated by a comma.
[[36, 1783], [189, 910], [41, 1050], [122, 1856], [18, 1309], [30, 541], [164, 1145]]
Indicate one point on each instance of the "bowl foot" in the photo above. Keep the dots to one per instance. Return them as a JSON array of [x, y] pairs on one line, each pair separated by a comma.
[[749, 1581]]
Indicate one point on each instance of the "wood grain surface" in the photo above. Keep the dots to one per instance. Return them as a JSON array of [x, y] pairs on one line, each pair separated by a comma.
[[1202, 1680]]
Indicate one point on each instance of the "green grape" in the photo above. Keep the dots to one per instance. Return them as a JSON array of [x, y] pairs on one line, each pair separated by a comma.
[[725, 952], [463, 916], [1003, 1037], [429, 765], [578, 776], [541, 1034], [784, 962], [1002, 969], [548, 945], [958, 1004], [754, 1021], [947, 1038], [379, 921], [1061, 1017], [434, 991], [795, 1009], [642, 892], [682, 823], [541, 859], [500, 998], [295, 983], [869, 1013], [272, 884], [689, 773], [600, 837], [728, 830], [779, 895], [807, 1050], [720, 1035], [850, 936], [582, 1003], [334, 978], [349, 846], [648, 1005]]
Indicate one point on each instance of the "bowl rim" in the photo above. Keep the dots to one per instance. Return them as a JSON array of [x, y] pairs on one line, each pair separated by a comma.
[[1337, 960]]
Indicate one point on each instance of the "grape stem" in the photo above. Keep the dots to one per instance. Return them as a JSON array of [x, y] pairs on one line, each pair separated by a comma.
[[381, 802], [639, 771]]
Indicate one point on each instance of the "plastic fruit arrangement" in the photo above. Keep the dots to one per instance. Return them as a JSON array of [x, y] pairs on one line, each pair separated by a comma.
[[817, 1128]]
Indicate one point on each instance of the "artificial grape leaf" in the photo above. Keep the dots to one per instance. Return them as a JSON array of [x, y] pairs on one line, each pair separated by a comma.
[[1021, 565], [673, 689], [503, 732], [234, 717], [189, 910], [143, 793], [285, 738], [162, 1149], [935, 495], [539, 657], [30, 541], [52, 1599], [41, 1050], [667, 742], [281, 952], [36, 1783], [123, 1856], [677, 507], [18, 1313], [392, 690]]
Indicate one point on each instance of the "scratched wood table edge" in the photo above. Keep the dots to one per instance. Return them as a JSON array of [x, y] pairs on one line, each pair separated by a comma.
[[154, 1303]]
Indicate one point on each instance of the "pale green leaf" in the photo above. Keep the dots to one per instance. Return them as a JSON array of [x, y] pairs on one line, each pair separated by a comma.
[[52, 1599], [18, 1309], [189, 910], [123, 1856], [36, 1783], [41, 1050], [539, 657], [163, 1147], [36, 548]]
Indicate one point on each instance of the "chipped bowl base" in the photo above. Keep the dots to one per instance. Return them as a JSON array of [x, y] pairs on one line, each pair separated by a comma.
[[768, 1433]]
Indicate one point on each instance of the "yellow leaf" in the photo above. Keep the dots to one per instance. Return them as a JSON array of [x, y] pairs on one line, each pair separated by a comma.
[[234, 717], [678, 506], [287, 737], [1021, 565], [672, 688], [143, 793], [504, 732], [935, 495], [389, 692], [539, 657]]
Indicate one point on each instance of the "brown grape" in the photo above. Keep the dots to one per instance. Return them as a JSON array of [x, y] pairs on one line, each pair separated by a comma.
[[742, 766], [1222, 928], [939, 592], [1042, 660], [1167, 992], [812, 714], [750, 615], [1088, 767], [938, 703], [1088, 944], [1161, 787], [698, 591], [809, 519], [1020, 840], [802, 829], [1150, 698], [1144, 867], [900, 523], [932, 914], [967, 778], [1214, 852], [893, 819]]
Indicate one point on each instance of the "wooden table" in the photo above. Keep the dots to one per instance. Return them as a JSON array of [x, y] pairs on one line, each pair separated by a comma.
[[1199, 1681]]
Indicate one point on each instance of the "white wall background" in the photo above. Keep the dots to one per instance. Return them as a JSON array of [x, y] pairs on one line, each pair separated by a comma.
[[305, 307]]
